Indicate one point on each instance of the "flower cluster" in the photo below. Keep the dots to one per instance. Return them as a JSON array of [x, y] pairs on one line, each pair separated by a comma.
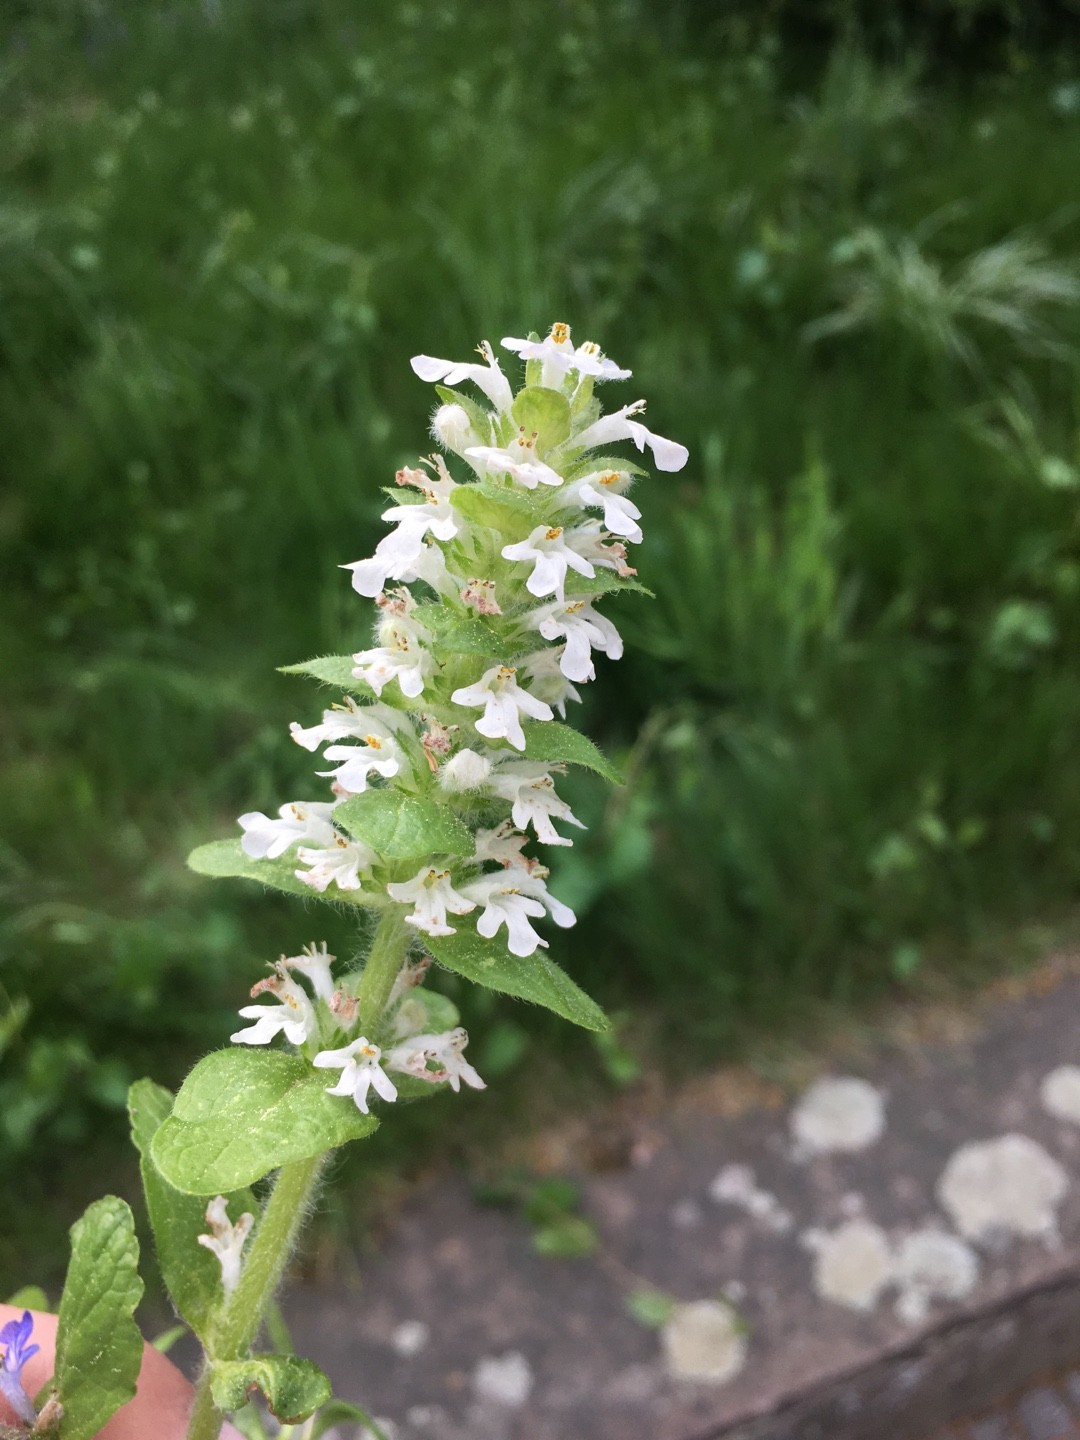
[[487, 590]]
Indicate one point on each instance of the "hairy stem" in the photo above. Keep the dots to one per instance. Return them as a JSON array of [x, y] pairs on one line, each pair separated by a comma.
[[384, 961], [274, 1240]]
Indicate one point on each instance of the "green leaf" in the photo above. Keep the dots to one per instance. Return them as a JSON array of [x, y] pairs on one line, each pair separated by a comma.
[[400, 827], [293, 1387], [330, 669], [422, 1011], [164, 1342], [589, 464], [98, 1345], [242, 1113], [30, 1297], [225, 859], [191, 1273], [605, 582], [548, 740], [460, 634], [535, 977], [506, 509], [545, 412], [340, 1412]]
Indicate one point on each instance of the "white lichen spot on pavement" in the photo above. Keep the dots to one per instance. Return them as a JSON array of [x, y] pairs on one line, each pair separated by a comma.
[[737, 1185], [1060, 1093], [704, 1342], [852, 1264], [932, 1265], [1003, 1187], [841, 1114], [505, 1380]]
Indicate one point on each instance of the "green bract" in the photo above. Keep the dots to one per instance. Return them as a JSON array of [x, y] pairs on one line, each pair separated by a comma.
[[242, 1113]]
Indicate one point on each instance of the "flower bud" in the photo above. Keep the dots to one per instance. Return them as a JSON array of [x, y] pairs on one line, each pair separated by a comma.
[[452, 428], [465, 771]]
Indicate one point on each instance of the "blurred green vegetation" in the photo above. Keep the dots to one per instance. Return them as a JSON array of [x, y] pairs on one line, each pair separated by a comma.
[[846, 278]]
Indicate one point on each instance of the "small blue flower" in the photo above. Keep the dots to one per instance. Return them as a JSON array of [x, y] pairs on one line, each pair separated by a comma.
[[14, 1336]]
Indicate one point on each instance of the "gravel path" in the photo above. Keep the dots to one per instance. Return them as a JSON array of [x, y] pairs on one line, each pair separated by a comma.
[[1048, 1411]]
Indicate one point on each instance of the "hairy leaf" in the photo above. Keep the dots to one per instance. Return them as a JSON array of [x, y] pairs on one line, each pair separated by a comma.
[[399, 826], [191, 1273], [460, 634], [548, 740], [543, 412], [293, 1387], [242, 1113], [535, 977], [98, 1345]]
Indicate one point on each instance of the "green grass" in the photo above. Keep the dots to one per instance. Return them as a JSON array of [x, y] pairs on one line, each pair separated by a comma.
[[850, 715]]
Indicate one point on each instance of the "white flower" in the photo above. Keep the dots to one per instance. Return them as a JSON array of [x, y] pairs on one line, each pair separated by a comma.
[[411, 1057], [432, 893], [226, 1240], [559, 357], [361, 1071], [404, 660], [518, 460], [464, 771], [301, 820], [348, 722], [315, 964], [601, 491], [504, 703], [396, 554], [379, 755], [292, 1017], [339, 863], [503, 844], [487, 377], [584, 630], [513, 898], [548, 682], [668, 454], [453, 429], [551, 557], [532, 791]]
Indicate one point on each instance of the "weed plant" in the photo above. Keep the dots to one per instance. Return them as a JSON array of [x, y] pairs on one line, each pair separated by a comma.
[[223, 231]]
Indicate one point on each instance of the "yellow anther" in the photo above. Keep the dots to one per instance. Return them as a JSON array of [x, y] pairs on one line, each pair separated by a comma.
[[560, 332], [554, 532]]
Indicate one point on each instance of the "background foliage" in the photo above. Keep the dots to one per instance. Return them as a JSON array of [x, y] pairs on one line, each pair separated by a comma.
[[842, 265]]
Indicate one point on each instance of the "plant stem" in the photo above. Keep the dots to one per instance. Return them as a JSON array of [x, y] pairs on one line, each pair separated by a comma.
[[290, 1199], [384, 961], [274, 1240]]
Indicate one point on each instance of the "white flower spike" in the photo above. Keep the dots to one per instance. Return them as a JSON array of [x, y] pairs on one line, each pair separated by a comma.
[[361, 1071], [226, 1240]]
